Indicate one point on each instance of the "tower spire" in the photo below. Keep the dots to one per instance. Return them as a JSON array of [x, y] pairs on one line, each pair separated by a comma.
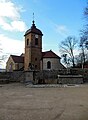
[[33, 22], [33, 18]]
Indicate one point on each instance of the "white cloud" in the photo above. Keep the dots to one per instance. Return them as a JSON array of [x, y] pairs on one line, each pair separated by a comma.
[[10, 18], [4, 25], [62, 30], [11, 46], [13, 26], [9, 9], [18, 25]]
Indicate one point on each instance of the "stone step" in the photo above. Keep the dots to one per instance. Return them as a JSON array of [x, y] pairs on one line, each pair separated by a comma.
[[3, 81]]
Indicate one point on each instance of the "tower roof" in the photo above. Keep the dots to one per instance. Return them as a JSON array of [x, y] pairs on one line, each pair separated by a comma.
[[33, 29]]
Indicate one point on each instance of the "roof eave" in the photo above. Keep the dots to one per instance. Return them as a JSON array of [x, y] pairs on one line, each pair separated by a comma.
[[33, 32]]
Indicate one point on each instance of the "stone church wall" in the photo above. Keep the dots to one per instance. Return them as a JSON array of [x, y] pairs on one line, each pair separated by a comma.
[[55, 63]]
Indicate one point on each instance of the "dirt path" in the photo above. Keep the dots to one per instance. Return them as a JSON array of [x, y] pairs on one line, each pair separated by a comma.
[[18, 102]]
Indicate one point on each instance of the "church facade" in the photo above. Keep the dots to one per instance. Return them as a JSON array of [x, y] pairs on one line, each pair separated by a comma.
[[34, 58]]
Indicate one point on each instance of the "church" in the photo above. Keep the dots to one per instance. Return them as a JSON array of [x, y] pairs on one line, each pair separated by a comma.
[[33, 57]]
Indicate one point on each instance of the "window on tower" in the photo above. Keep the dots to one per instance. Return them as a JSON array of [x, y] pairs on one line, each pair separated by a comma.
[[36, 41], [48, 65], [35, 59], [27, 41]]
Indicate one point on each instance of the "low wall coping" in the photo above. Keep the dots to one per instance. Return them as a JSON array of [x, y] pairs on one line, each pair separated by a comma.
[[70, 76]]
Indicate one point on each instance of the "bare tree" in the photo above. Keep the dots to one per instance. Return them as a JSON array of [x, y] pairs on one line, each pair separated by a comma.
[[67, 47], [84, 31], [3, 56], [83, 47], [0, 54], [86, 11], [65, 59], [84, 37]]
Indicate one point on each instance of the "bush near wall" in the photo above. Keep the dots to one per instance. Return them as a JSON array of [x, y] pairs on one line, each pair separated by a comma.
[[46, 76], [83, 72]]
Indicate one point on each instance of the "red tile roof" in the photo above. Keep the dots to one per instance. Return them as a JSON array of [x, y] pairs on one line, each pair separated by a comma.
[[49, 54], [17, 59]]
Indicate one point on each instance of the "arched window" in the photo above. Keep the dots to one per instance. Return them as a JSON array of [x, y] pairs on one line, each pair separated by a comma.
[[35, 66], [11, 67], [48, 65], [36, 41], [35, 59]]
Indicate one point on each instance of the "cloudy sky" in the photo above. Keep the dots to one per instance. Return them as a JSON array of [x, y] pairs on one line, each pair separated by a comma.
[[57, 19]]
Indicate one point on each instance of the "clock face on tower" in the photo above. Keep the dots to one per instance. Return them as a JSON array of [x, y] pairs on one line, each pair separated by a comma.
[[36, 36]]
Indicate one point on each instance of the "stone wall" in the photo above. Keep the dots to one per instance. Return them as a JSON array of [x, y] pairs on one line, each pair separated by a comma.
[[14, 76], [51, 77], [70, 79], [45, 77], [29, 77], [42, 77], [4, 77], [17, 76]]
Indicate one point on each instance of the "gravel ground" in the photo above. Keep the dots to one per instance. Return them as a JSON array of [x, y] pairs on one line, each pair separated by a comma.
[[20, 102]]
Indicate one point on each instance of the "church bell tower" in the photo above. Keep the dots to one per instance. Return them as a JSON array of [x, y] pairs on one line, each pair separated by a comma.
[[33, 48]]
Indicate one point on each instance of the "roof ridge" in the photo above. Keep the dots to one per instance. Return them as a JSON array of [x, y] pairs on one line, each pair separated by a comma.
[[16, 55]]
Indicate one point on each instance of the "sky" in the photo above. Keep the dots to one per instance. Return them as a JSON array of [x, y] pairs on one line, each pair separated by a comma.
[[57, 19]]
